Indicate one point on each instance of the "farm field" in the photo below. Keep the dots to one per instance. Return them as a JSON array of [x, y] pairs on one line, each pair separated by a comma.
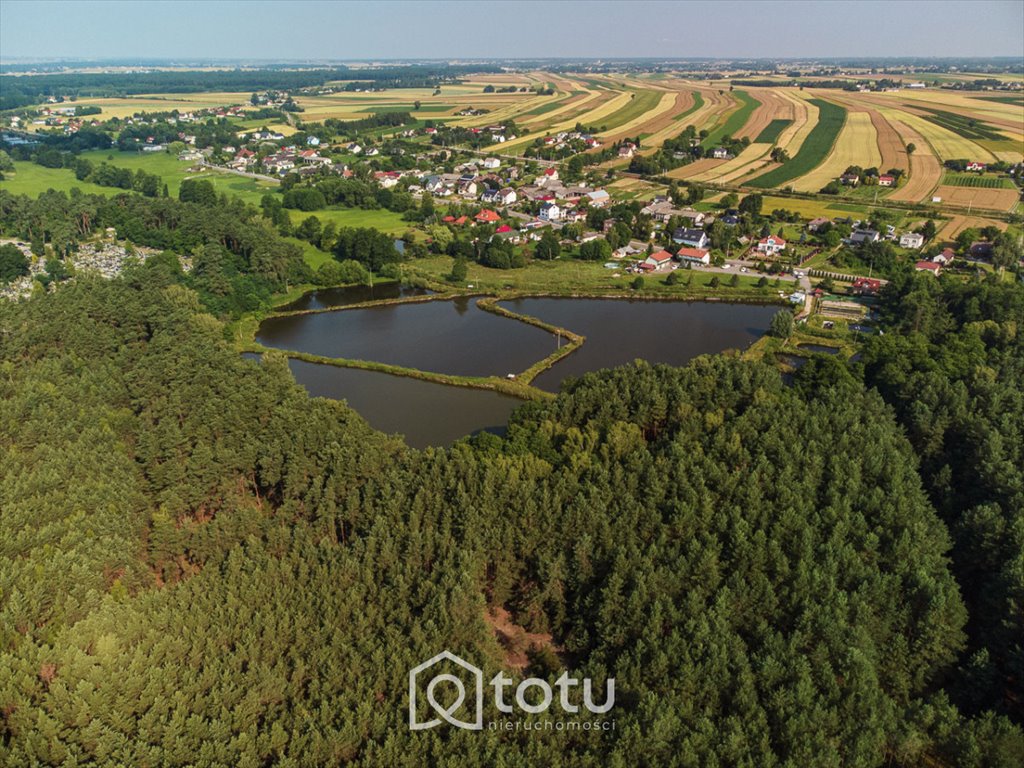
[[815, 148], [857, 144], [975, 197], [822, 130]]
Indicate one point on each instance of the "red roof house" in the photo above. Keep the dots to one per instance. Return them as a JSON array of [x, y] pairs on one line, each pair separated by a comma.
[[487, 216], [928, 266]]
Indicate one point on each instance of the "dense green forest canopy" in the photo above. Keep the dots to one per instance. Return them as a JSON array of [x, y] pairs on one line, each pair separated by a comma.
[[200, 565]]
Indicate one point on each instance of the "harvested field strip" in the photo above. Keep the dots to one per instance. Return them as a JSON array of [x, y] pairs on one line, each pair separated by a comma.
[[594, 116], [925, 169], [698, 102], [574, 105], [892, 147], [958, 224], [696, 168], [972, 197], [635, 112], [719, 104], [734, 122], [774, 106], [805, 117], [969, 128], [816, 147], [771, 131], [946, 144], [665, 126], [976, 180], [750, 158], [857, 144]]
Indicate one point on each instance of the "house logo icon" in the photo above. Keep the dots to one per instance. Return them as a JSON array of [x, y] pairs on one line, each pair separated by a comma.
[[473, 674]]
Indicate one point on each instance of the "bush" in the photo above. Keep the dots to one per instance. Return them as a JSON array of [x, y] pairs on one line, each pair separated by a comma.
[[782, 324], [638, 283]]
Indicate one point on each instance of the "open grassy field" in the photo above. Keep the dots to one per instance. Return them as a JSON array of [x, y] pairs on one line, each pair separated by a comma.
[[815, 148], [31, 179]]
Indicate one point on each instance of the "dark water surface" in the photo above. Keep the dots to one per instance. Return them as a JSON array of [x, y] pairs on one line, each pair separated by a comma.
[[619, 331], [454, 336], [424, 412], [445, 336], [326, 298]]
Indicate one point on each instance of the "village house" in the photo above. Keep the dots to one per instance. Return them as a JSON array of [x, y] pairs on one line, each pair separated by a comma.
[[886, 181], [866, 286], [771, 245], [862, 236], [976, 166], [550, 212], [507, 196], [627, 150], [850, 179], [660, 209], [598, 198], [657, 260], [692, 238], [694, 256], [911, 240], [945, 257], [928, 266], [720, 153], [815, 224], [354, 148], [487, 216], [491, 162]]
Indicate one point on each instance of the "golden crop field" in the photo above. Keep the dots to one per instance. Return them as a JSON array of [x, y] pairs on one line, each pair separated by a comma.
[[857, 145]]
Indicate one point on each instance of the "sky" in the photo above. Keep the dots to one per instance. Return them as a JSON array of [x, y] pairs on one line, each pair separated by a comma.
[[318, 30]]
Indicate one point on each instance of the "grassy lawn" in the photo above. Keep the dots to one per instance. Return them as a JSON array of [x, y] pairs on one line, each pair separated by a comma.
[[384, 220], [569, 276], [32, 180], [815, 148]]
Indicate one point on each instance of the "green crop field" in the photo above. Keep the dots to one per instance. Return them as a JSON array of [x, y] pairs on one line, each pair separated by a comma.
[[698, 102], [977, 181], [642, 101], [967, 127], [816, 147], [735, 121], [771, 131]]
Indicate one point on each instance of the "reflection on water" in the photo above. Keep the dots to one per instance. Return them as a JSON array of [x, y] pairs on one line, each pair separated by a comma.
[[424, 412], [620, 331], [325, 298], [445, 336]]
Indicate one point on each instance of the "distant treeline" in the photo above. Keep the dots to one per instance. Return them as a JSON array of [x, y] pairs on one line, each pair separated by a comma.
[[376, 120], [18, 92]]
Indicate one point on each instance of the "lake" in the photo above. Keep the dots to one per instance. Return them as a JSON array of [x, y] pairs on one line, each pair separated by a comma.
[[455, 337], [619, 331]]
